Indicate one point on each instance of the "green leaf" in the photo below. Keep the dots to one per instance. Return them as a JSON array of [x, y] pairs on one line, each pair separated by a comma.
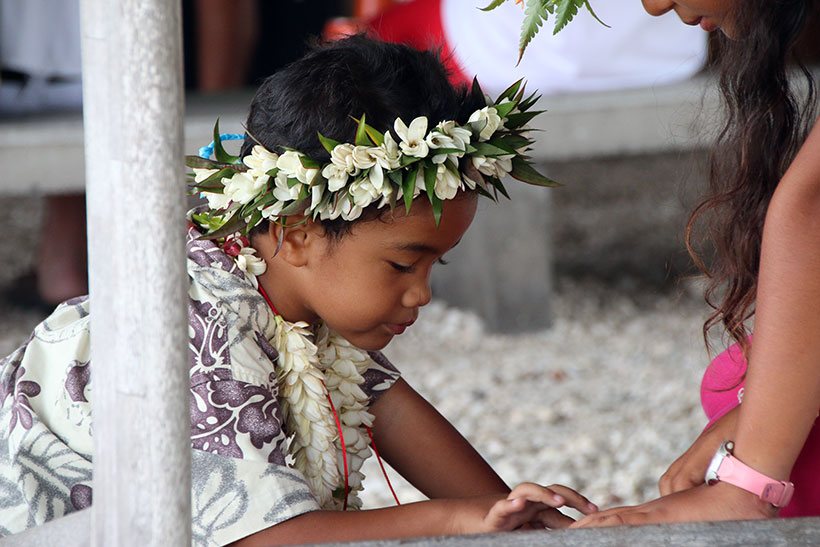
[[197, 162], [295, 207], [293, 182], [430, 175], [504, 108], [513, 141], [525, 105], [510, 92], [535, 13], [519, 119], [235, 224], [214, 182], [408, 160], [328, 144], [523, 171], [437, 208], [488, 150], [219, 151], [595, 15], [500, 187], [251, 223], [494, 4], [565, 11], [361, 133], [376, 136], [308, 163], [477, 94], [408, 186]]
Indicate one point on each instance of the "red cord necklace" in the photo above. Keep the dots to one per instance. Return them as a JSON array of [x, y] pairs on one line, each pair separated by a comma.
[[339, 428]]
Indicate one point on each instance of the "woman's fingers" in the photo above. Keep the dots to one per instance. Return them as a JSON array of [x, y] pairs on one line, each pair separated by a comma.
[[553, 519]]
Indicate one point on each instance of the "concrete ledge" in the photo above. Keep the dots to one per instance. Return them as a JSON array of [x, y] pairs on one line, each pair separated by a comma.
[[804, 531], [45, 154]]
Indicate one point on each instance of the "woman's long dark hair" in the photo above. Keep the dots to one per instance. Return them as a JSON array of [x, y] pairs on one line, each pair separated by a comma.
[[765, 123]]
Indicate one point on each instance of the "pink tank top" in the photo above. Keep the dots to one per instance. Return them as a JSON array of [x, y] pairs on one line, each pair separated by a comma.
[[722, 390]]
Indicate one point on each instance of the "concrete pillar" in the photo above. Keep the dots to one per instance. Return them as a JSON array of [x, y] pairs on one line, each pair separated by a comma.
[[133, 109]]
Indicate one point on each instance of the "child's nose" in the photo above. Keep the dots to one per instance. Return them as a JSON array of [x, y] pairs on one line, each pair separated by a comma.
[[658, 7], [418, 295]]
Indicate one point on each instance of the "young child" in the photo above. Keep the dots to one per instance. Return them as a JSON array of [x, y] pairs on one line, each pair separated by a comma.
[[314, 250], [759, 456]]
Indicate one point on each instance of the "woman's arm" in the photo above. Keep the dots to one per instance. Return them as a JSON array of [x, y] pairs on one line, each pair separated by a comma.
[[427, 450], [782, 393]]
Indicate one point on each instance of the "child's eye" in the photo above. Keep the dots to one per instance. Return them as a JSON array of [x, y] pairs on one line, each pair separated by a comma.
[[442, 261], [401, 267]]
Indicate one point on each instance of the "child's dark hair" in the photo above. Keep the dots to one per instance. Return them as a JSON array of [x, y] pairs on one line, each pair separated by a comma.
[[765, 125], [338, 81]]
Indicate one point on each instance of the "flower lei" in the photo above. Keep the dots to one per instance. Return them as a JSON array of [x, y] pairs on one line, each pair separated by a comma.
[[376, 168]]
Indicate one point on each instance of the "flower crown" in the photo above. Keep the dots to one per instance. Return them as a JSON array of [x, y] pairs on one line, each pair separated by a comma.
[[241, 192]]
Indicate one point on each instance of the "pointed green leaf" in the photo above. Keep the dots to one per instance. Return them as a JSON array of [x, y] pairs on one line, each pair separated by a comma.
[[197, 162], [309, 163], [294, 207], [519, 119], [409, 186], [408, 160], [437, 208], [219, 150], [565, 11], [327, 143], [494, 4], [484, 192], [235, 224], [430, 174], [525, 105], [488, 150], [595, 15], [525, 172], [361, 133], [500, 186], [510, 92], [512, 141], [376, 136]]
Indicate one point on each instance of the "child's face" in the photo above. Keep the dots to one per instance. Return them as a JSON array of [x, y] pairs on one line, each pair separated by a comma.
[[369, 285], [709, 14]]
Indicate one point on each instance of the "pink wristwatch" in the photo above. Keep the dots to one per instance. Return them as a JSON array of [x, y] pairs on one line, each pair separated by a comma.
[[726, 468]]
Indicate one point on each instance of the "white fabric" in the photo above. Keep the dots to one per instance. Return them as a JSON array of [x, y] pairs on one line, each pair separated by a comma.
[[41, 37], [638, 50]]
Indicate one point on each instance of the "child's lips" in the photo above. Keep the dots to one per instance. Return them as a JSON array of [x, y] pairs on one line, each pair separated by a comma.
[[399, 328]]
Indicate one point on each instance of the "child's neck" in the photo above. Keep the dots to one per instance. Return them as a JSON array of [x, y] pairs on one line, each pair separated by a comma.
[[282, 285]]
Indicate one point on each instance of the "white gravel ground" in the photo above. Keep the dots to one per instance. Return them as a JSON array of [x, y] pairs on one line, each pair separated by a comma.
[[603, 401]]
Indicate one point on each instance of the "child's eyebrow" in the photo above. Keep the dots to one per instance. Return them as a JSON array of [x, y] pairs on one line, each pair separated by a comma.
[[420, 247]]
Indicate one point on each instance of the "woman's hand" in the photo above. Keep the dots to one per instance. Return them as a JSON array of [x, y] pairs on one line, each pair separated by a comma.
[[529, 505], [721, 501], [688, 470]]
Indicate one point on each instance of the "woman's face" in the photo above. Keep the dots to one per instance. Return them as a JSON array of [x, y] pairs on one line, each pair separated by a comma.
[[711, 15]]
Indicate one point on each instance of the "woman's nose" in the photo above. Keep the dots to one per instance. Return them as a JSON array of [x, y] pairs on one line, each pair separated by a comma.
[[658, 7]]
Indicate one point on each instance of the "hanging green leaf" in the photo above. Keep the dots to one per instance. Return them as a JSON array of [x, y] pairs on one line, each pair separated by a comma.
[[309, 163], [520, 119], [198, 162], [235, 224], [408, 186], [535, 13], [500, 187], [494, 4], [219, 150], [595, 15], [565, 11], [525, 172]]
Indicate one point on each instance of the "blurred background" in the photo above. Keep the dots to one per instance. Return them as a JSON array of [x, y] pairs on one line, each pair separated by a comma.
[[564, 339]]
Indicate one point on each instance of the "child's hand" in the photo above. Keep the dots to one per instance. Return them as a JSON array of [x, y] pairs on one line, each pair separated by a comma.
[[530, 505], [689, 470]]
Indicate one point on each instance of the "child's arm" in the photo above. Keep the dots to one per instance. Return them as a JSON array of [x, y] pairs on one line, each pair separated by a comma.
[[427, 450], [527, 504], [782, 392]]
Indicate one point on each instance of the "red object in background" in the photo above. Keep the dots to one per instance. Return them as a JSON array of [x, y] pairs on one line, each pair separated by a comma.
[[416, 23]]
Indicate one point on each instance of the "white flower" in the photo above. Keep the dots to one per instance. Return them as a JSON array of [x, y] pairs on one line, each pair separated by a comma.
[[317, 192], [290, 164], [387, 155], [336, 176], [494, 167], [260, 160], [218, 201], [447, 182], [202, 174], [412, 138], [362, 157], [244, 187], [488, 120], [250, 263], [459, 135], [363, 192], [272, 210], [283, 191], [342, 157]]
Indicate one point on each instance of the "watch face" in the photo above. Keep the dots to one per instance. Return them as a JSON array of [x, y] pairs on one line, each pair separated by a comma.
[[712, 471]]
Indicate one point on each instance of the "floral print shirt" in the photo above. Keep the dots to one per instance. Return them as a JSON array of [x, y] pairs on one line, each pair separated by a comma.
[[241, 481]]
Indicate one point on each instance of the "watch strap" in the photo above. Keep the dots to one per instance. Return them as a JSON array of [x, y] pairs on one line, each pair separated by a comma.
[[737, 473]]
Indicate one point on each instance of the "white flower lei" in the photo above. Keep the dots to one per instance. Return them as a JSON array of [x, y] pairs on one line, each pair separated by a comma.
[[376, 169], [308, 373]]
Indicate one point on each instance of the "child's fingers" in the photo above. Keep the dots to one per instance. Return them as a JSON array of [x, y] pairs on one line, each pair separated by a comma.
[[553, 496], [574, 499], [509, 514], [553, 519]]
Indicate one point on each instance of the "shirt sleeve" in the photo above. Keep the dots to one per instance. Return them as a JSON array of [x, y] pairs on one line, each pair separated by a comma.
[[380, 376]]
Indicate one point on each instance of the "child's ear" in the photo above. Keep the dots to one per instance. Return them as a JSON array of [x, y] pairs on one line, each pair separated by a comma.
[[296, 240]]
